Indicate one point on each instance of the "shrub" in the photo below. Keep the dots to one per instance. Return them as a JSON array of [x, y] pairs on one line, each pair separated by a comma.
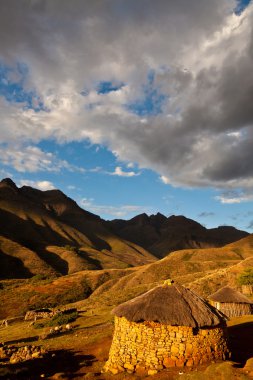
[[246, 278], [42, 277], [62, 319], [71, 248], [58, 320]]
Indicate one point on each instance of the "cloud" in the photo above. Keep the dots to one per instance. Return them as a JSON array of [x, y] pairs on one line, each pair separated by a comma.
[[41, 185], [206, 214], [201, 134], [250, 226], [32, 159], [233, 197], [165, 180], [28, 159], [71, 187], [120, 173], [114, 211]]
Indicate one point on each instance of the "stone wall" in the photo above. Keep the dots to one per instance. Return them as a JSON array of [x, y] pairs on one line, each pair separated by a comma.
[[149, 346], [32, 315]]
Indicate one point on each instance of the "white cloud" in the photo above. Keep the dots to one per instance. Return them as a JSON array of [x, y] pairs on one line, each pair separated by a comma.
[[165, 180], [114, 211], [71, 187], [41, 185], [119, 172], [28, 159], [32, 159], [203, 135]]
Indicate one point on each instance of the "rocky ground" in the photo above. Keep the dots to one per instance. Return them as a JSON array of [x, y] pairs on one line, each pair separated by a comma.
[[82, 352]]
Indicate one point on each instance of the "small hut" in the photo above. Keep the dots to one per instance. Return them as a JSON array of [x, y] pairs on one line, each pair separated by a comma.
[[165, 327], [231, 302], [247, 290]]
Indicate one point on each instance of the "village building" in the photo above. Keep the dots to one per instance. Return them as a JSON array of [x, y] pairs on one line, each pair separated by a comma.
[[168, 326], [247, 290], [231, 302]]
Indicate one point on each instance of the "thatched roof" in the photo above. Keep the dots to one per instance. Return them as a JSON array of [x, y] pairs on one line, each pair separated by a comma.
[[170, 304], [229, 295]]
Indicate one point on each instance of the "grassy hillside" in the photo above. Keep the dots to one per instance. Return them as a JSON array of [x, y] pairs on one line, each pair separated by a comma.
[[204, 270]]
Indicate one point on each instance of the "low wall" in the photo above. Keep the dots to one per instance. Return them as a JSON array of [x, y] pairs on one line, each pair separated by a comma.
[[152, 346]]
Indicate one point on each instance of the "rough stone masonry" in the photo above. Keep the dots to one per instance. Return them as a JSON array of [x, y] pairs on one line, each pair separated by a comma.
[[153, 346]]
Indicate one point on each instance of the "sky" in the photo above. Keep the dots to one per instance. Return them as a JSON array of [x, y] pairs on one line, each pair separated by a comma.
[[131, 106]]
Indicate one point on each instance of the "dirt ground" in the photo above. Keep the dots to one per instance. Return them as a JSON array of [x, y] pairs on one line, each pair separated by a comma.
[[81, 353]]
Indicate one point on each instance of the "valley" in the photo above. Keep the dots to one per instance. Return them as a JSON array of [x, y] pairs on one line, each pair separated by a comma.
[[82, 262]]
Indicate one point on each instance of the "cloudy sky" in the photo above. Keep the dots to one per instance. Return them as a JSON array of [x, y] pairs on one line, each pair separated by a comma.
[[131, 106]]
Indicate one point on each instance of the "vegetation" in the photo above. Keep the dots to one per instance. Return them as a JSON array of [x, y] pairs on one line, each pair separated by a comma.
[[71, 248], [42, 277], [246, 278], [62, 319], [58, 320]]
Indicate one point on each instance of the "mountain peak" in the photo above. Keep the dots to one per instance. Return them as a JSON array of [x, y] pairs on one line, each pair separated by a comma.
[[7, 182], [140, 219]]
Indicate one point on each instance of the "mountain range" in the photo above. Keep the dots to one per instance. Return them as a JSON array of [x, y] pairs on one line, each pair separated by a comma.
[[47, 232], [161, 235]]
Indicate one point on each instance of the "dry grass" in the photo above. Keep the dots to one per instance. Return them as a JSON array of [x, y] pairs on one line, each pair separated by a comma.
[[111, 287]]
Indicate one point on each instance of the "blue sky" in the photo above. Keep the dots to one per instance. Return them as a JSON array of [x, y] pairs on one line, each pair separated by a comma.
[[127, 127]]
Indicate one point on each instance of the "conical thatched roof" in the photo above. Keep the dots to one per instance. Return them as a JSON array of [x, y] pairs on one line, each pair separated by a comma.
[[170, 304], [229, 295]]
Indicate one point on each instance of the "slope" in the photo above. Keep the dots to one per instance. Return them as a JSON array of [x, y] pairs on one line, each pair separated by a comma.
[[203, 270], [161, 235], [61, 236]]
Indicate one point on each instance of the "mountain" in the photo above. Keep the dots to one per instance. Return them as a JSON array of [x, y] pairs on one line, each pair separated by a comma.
[[47, 232], [160, 235]]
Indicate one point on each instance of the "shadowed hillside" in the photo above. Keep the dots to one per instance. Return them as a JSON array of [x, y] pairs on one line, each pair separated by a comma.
[[47, 232], [161, 235]]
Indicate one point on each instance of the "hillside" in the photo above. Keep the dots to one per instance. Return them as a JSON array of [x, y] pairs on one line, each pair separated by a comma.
[[161, 235], [47, 232], [203, 270]]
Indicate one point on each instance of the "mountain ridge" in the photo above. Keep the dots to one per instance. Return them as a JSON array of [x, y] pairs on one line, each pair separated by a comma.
[[161, 235], [60, 238], [59, 233]]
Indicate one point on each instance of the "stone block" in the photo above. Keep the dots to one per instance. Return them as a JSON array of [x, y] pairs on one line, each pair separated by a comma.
[[174, 349], [141, 370], [182, 347], [129, 366], [180, 363], [114, 371], [152, 372], [169, 362]]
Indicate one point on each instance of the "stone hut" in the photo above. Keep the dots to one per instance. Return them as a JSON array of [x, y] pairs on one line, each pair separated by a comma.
[[247, 290], [168, 326], [231, 302]]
